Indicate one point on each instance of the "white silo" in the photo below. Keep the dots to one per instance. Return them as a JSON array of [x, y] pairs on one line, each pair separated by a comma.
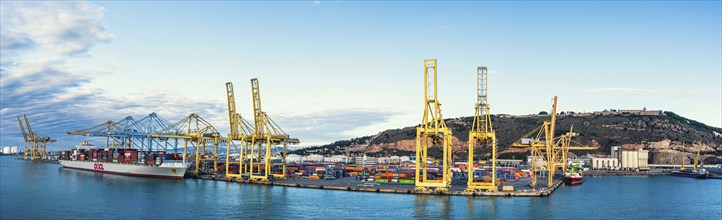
[[6, 150], [14, 150]]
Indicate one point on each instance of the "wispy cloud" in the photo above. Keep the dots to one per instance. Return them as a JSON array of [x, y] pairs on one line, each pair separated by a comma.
[[43, 43], [40, 41], [332, 125], [621, 91]]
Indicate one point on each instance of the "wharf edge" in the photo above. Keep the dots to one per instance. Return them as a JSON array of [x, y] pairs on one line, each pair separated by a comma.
[[542, 193]]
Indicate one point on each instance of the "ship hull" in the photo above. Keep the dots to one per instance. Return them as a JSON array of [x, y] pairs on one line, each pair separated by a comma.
[[690, 175], [574, 180], [164, 171]]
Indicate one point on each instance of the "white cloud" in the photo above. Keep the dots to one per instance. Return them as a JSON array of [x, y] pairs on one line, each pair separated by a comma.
[[41, 42], [45, 46], [331, 125]]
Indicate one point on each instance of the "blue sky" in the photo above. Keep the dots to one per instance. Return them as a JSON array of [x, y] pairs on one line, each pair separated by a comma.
[[337, 70]]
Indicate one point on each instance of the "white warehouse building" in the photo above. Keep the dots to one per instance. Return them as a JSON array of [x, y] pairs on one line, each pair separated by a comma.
[[314, 158], [605, 163], [336, 159], [294, 158], [634, 159]]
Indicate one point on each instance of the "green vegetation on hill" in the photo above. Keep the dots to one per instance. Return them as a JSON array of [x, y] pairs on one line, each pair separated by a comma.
[[606, 130]]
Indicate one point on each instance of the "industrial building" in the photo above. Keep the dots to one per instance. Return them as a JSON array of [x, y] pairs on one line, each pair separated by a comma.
[[605, 163], [294, 158], [630, 157], [634, 159], [615, 151], [509, 162], [10, 150], [336, 159]]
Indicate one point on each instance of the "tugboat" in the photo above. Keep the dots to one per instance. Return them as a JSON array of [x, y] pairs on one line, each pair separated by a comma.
[[697, 172], [573, 176]]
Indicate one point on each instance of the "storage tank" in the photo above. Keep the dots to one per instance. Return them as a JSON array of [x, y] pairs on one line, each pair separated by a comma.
[[6, 150], [14, 150], [315, 158]]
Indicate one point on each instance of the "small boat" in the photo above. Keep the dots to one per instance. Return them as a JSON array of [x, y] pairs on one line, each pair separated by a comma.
[[573, 178]]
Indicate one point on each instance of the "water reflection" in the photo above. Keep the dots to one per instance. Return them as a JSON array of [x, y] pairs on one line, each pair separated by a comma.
[[445, 207], [433, 206], [420, 206], [482, 207]]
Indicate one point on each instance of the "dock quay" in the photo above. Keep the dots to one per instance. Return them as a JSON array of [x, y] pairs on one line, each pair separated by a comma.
[[349, 184]]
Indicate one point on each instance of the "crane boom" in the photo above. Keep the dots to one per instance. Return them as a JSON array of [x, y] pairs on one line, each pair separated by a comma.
[[231, 110], [22, 129], [30, 130], [257, 110]]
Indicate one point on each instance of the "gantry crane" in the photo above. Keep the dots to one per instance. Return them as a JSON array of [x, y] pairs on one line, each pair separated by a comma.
[[266, 136], [131, 133], [35, 144], [564, 145], [432, 132], [546, 150], [241, 130], [540, 142], [482, 132], [197, 132]]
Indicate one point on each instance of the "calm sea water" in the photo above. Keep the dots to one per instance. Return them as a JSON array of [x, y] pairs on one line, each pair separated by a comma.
[[42, 191]]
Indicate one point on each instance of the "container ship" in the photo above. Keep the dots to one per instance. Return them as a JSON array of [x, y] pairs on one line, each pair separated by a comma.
[[129, 162]]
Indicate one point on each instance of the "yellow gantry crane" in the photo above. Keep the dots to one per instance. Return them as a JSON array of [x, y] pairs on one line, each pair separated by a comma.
[[540, 142], [563, 145], [266, 137], [35, 144], [199, 134], [482, 132], [548, 152], [241, 130], [432, 132]]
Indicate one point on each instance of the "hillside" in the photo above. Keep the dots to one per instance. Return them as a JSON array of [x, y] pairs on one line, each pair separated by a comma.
[[664, 133]]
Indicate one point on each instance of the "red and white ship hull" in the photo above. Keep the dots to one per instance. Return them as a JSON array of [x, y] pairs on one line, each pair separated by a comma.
[[573, 178], [167, 170]]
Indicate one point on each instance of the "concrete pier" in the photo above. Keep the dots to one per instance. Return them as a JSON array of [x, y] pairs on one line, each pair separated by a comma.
[[348, 184]]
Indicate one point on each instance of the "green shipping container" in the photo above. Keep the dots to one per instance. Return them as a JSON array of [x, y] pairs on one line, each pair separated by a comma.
[[406, 181], [382, 180]]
